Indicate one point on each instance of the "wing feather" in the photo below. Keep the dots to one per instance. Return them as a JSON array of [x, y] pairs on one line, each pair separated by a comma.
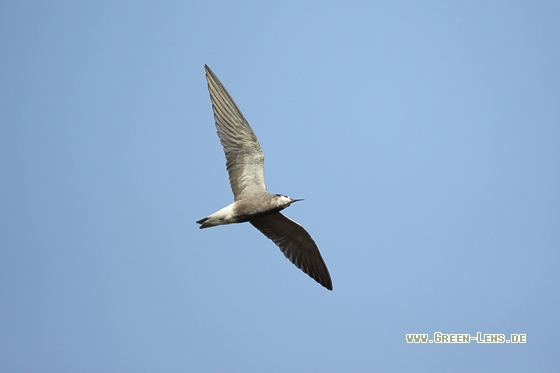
[[296, 244], [244, 156]]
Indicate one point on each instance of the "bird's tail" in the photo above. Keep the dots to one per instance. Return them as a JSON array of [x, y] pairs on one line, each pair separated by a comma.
[[204, 224]]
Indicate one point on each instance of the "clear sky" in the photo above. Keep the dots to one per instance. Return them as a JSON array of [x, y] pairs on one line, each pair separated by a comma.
[[424, 137]]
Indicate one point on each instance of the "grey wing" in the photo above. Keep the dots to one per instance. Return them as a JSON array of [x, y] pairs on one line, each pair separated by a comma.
[[244, 156], [296, 244]]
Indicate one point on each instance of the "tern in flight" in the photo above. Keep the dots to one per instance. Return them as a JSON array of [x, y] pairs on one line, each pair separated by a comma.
[[252, 202]]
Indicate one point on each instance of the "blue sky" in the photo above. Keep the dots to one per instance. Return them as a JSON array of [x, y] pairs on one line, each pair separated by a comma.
[[424, 137]]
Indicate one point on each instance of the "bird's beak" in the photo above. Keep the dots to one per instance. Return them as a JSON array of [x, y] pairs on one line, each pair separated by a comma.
[[296, 200]]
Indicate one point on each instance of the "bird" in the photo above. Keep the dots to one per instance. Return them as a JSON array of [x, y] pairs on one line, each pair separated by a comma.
[[252, 202]]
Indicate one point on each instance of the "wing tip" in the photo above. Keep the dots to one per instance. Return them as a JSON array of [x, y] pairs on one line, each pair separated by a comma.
[[208, 70], [326, 283]]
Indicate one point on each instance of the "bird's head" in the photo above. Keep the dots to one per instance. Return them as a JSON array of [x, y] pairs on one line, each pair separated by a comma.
[[286, 201]]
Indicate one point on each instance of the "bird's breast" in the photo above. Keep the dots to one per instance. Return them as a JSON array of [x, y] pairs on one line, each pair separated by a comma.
[[246, 210]]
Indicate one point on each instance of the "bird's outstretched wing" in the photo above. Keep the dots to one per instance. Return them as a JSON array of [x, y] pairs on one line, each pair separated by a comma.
[[244, 156], [296, 244]]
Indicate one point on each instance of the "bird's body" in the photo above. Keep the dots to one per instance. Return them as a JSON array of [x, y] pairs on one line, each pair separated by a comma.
[[246, 209], [252, 202]]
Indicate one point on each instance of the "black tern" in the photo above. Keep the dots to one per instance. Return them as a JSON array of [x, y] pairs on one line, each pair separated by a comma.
[[252, 202]]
